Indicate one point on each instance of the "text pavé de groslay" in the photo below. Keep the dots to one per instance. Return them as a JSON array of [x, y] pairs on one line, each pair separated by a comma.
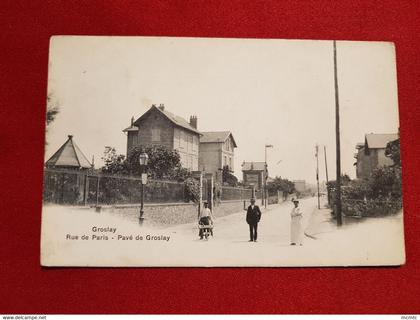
[[110, 234]]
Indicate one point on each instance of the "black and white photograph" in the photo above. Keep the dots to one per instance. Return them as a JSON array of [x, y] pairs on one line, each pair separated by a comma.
[[211, 152]]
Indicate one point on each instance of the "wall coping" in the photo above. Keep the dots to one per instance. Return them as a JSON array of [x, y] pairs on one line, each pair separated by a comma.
[[163, 204]]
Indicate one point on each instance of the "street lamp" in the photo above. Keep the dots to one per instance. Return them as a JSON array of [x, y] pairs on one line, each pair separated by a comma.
[[266, 175], [143, 160]]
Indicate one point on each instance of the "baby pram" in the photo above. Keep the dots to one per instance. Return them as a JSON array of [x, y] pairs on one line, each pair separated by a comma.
[[206, 229]]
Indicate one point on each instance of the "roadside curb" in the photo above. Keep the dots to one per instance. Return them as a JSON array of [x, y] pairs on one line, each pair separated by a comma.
[[319, 223]]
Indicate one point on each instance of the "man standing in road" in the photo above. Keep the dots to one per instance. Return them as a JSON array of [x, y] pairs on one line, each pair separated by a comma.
[[296, 224], [253, 216]]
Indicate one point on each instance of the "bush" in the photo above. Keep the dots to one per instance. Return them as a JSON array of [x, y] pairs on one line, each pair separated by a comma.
[[385, 181], [371, 208], [380, 194], [279, 184], [228, 178], [163, 163]]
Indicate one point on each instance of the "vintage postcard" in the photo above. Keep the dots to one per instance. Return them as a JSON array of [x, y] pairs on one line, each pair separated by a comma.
[[221, 152]]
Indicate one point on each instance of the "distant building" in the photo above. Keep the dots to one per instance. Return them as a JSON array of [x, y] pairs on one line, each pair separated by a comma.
[[254, 173], [160, 127], [371, 154], [68, 156], [217, 150], [300, 185]]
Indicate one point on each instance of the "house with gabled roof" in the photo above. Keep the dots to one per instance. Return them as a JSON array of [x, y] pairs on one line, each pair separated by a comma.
[[217, 150], [254, 174], [68, 156], [158, 126], [371, 154]]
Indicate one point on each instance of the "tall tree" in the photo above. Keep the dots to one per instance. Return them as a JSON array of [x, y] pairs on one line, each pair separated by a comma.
[[163, 163], [392, 151], [114, 163], [52, 109], [280, 184], [228, 178]]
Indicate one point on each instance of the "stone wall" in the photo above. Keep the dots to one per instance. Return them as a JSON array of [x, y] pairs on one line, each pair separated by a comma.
[[161, 215], [228, 207]]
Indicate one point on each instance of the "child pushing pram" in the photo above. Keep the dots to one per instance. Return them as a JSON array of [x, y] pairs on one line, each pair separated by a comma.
[[205, 222]]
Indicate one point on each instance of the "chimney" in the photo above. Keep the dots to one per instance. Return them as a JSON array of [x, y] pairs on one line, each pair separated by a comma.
[[132, 121], [70, 137], [162, 107], [193, 122]]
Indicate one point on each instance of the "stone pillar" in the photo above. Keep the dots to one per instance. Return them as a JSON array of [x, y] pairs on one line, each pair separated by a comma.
[[199, 176], [210, 195]]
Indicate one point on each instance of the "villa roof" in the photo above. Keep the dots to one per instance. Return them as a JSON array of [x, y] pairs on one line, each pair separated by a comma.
[[216, 136], [176, 120], [255, 166], [380, 140]]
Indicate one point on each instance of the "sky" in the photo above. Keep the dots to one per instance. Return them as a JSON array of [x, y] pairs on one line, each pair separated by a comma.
[[278, 92]]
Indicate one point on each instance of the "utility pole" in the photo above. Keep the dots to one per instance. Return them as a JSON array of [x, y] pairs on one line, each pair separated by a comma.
[[337, 139], [326, 172], [266, 175], [317, 173], [326, 166]]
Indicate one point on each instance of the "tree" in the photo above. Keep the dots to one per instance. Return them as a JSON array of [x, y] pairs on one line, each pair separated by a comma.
[[228, 178], [114, 163], [280, 184], [163, 163], [52, 109], [192, 190], [114, 190], [392, 151], [345, 180], [385, 182]]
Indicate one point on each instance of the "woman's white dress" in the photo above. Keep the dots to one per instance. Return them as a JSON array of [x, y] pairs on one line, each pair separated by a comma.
[[296, 226]]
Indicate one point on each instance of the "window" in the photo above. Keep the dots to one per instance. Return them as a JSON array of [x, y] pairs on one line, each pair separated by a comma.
[[195, 144], [155, 135], [190, 142], [181, 139], [183, 160], [195, 163], [177, 141], [132, 137], [190, 162]]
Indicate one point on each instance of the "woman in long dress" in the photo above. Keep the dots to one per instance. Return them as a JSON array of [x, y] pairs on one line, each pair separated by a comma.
[[296, 224]]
